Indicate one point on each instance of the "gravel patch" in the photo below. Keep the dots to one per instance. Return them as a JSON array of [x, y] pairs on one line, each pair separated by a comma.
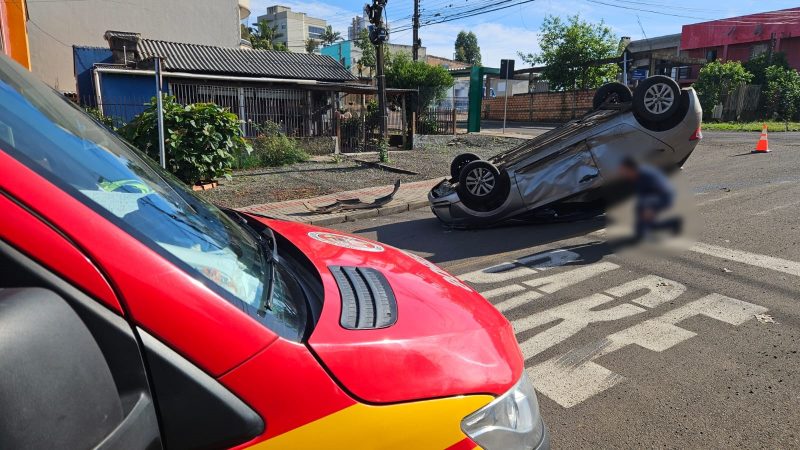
[[312, 179]]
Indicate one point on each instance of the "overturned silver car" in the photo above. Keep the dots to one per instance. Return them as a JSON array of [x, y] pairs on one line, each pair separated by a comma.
[[567, 169]]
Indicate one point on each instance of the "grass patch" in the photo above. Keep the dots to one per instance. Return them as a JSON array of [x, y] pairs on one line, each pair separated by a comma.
[[750, 126], [272, 148]]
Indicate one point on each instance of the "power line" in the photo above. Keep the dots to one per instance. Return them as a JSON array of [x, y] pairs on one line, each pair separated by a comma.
[[723, 22], [470, 13]]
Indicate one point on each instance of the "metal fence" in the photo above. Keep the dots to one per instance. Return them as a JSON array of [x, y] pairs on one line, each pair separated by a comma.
[[298, 112], [358, 126], [352, 118], [437, 121]]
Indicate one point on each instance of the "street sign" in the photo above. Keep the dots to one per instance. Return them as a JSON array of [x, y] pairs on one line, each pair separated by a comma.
[[639, 74], [506, 69]]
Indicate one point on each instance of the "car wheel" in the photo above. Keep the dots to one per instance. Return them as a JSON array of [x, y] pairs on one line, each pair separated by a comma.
[[459, 162], [611, 93], [482, 186], [657, 98]]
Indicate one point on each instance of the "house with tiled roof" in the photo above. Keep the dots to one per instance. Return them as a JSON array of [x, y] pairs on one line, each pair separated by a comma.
[[299, 91]]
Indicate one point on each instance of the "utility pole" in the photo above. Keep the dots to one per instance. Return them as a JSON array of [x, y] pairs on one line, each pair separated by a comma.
[[378, 34], [415, 25]]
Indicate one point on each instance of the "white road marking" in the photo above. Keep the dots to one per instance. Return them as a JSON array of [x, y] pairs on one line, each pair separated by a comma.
[[660, 290], [573, 317], [577, 315], [574, 377], [527, 266], [501, 291], [744, 191], [752, 259], [498, 274], [517, 301], [553, 283], [776, 208]]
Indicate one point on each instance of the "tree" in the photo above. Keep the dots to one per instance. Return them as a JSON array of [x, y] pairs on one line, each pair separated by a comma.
[[311, 45], [264, 36], [467, 49], [758, 64], [329, 36], [717, 80], [368, 58], [782, 92], [431, 81], [570, 51]]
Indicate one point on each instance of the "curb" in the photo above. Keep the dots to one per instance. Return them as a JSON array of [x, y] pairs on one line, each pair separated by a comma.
[[369, 213], [415, 196]]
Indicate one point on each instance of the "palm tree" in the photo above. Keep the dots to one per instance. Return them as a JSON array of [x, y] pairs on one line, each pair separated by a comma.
[[312, 45], [263, 36], [329, 36]]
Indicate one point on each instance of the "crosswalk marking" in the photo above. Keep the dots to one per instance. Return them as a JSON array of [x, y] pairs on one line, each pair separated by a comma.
[[574, 377], [517, 301], [553, 283], [753, 259]]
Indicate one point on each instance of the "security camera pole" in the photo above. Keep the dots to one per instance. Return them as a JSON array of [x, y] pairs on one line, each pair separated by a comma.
[[378, 34]]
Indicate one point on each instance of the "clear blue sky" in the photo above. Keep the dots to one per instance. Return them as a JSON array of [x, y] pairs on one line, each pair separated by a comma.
[[502, 33]]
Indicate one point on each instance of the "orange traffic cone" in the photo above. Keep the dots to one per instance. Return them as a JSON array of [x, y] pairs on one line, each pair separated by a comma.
[[763, 143]]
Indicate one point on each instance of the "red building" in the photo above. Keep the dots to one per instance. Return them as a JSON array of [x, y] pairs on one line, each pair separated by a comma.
[[740, 38]]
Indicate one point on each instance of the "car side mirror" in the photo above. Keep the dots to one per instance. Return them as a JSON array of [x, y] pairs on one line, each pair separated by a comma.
[[57, 386]]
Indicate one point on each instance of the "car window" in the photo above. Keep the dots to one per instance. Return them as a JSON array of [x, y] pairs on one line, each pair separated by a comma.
[[57, 139]]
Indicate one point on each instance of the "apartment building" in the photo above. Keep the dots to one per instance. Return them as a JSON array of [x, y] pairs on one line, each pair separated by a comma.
[[295, 28], [357, 24]]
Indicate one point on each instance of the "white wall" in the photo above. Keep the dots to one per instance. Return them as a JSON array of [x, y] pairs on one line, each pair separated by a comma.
[[55, 26]]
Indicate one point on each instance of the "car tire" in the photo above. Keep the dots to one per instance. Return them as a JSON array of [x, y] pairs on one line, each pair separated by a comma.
[[459, 162], [657, 99], [611, 93], [482, 186]]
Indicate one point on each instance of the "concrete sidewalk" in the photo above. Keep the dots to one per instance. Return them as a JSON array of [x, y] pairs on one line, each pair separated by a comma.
[[410, 196]]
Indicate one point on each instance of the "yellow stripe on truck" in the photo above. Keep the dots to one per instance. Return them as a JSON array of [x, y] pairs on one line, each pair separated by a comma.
[[428, 424]]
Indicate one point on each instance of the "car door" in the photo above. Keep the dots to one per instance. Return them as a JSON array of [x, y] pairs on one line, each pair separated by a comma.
[[80, 373], [559, 175], [626, 140], [73, 372]]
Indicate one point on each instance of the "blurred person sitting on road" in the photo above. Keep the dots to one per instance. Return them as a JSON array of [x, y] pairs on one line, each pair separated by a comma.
[[654, 194]]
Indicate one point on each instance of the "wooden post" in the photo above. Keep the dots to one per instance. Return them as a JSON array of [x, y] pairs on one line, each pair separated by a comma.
[[454, 122], [413, 128], [338, 146], [405, 119]]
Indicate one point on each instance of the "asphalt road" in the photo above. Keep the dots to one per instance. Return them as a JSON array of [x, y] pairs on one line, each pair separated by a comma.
[[652, 348]]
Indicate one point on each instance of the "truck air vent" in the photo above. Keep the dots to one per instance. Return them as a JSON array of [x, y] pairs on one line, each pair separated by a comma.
[[367, 299]]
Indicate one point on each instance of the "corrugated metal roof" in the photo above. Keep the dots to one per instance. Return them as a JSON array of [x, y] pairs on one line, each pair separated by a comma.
[[655, 43], [194, 58]]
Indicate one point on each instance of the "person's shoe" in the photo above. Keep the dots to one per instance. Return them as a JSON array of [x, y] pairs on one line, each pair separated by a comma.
[[677, 227]]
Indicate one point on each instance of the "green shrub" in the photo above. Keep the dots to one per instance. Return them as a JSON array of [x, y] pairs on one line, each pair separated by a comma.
[[717, 80], [272, 148], [782, 92], [201, 139], [100, 117]]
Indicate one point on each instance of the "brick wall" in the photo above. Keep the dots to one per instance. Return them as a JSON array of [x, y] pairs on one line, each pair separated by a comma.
[[540, 106]]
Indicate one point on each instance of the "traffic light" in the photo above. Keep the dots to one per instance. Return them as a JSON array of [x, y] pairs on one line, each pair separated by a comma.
[[378, 35]]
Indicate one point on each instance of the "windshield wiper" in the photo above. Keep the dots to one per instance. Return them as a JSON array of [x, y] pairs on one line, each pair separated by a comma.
[[269, 252], [267, 242]]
